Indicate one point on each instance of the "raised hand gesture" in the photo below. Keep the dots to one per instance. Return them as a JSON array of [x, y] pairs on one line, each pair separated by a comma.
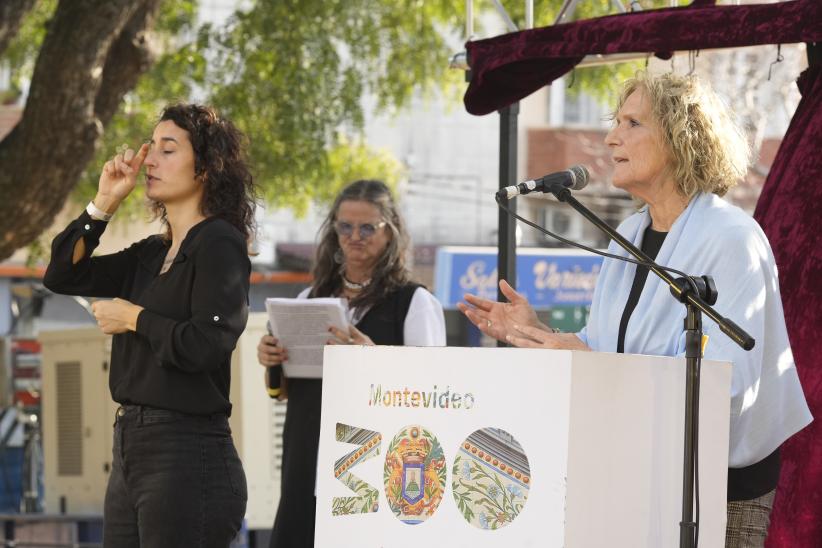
[[496, 319], [119, 177]]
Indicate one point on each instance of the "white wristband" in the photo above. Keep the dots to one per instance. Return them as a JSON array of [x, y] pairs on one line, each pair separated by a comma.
[[97, 213]]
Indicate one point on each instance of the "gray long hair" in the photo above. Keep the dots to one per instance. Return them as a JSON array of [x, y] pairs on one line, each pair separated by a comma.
[[391, 271]]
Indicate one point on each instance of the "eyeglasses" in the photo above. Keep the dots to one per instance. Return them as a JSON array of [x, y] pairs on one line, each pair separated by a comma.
[[366, 230]]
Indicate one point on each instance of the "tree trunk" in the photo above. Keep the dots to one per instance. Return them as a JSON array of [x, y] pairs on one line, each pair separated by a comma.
[[94, 53]]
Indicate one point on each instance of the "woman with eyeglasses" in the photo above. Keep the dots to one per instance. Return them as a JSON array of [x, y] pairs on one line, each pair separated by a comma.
[[361, 257]]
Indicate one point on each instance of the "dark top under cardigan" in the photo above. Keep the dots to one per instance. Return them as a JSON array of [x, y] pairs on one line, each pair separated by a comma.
[[180, 356]]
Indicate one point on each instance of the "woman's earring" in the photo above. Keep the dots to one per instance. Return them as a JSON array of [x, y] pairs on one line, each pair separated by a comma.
[[339, 258]]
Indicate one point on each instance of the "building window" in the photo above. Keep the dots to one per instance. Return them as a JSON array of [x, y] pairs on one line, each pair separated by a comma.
[[561, 223], [583, 110]]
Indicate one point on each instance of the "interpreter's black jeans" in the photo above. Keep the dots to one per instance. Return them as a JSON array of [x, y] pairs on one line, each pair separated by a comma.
[[176, 481]]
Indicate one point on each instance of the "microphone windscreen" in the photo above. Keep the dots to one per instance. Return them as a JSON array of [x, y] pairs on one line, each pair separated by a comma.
[[581, 176]]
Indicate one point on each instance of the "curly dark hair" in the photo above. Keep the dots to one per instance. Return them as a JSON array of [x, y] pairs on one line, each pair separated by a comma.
[[391, 271], [229, 192]]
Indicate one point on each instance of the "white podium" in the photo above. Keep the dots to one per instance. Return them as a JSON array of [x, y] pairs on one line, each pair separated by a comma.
[[496, 447]]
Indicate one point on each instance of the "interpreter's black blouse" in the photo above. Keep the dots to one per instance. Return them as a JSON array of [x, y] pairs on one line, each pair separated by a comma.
[[180, 356]]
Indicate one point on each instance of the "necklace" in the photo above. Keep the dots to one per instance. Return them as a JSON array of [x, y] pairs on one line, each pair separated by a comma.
[[354, 286]]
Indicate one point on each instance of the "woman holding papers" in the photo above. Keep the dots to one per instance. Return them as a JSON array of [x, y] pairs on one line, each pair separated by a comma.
[[180, 302], [676, 151], [361, 257]]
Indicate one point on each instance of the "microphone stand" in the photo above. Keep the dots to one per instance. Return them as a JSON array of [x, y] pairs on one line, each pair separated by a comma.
[[698, 294]]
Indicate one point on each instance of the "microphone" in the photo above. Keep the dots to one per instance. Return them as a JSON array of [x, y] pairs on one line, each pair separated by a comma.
[[273, 375], [273, 381], [573, 178]]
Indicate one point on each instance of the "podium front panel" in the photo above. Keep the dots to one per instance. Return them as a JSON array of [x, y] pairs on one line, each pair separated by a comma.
[[496, 447], [626, 450], [502, 448]]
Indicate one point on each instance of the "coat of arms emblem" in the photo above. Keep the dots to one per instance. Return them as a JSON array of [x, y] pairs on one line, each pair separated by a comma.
[[414, 474]]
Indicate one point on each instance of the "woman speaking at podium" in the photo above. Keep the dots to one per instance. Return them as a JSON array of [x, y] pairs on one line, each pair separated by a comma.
[[361, 257], [180, 302], [676, 150]]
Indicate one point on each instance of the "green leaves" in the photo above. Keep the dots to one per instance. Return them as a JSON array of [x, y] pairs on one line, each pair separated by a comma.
[[22, 51], [294, 76]]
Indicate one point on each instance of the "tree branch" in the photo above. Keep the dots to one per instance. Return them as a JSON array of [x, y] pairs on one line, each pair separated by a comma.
[[130, 56], [44, 155], [11, 16]]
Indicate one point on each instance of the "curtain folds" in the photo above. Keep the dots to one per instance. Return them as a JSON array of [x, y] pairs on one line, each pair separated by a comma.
[[788, 211], [506, 68]]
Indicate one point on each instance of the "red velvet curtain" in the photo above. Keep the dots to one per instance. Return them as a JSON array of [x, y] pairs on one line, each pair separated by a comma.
[[509, 67], [789, 212]]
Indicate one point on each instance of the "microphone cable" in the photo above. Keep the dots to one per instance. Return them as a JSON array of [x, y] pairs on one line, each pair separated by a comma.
[[646, 264]]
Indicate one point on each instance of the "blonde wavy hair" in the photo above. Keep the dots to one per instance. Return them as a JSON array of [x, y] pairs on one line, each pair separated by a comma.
[[708, 151]]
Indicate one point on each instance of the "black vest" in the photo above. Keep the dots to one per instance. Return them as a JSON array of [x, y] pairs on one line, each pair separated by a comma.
[[385, 321]]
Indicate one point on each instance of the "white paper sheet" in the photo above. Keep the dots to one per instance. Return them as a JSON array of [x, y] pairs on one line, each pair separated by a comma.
[[302, 325]]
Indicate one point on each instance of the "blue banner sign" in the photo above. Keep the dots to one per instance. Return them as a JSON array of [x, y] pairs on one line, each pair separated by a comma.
[[547, 277]]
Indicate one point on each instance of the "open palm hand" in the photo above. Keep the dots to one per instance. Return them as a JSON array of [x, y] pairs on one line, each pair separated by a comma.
[[497, 319]]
